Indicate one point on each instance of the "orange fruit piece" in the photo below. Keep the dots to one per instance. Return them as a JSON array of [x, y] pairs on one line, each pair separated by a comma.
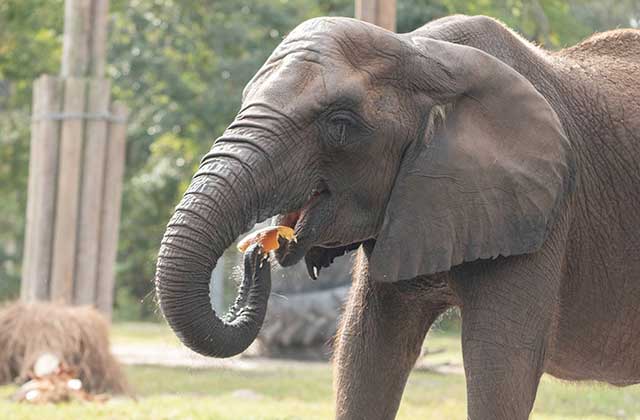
[[267, 237]]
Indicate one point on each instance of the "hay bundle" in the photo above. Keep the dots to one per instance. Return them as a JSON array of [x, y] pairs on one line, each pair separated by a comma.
[[79, 337]]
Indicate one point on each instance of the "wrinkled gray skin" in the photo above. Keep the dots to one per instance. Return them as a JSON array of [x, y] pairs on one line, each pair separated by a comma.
[[471, 168]]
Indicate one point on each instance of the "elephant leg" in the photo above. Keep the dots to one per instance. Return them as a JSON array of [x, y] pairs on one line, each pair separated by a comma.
[[507, 317], [380, 338]]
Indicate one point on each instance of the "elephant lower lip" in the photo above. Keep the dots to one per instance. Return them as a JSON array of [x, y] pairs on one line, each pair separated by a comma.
[[318, 257]]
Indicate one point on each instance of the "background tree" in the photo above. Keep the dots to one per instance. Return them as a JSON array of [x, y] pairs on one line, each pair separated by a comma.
[[30, 45]]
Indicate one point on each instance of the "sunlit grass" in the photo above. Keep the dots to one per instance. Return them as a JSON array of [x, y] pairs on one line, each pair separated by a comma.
[[304, 392], [143, 333]]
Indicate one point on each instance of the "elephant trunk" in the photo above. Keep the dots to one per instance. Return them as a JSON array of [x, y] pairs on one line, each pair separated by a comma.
[[222, 201]]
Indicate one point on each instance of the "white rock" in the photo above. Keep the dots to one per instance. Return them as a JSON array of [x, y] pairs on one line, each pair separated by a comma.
[[47, 364]]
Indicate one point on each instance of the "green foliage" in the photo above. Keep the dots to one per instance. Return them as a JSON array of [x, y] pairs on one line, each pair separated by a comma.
[[30, 44], [548, 22], [181, 66], [13, 162]]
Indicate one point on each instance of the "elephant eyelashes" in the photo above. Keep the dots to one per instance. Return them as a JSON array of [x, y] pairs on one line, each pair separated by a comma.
[[343, 133], [343, 127]]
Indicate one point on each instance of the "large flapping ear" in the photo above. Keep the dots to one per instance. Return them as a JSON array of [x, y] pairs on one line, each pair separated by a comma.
[[487, 180]]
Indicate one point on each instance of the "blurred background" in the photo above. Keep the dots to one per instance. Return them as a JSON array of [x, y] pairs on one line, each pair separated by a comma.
[[180, 67]]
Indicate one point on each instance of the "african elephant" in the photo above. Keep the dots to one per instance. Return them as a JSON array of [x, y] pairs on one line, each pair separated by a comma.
[[469, 167]]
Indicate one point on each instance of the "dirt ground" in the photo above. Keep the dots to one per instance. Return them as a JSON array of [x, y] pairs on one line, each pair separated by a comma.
[[180, 356]]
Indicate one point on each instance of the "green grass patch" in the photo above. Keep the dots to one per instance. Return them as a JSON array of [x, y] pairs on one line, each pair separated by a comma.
[[304, 391], [143, 333]]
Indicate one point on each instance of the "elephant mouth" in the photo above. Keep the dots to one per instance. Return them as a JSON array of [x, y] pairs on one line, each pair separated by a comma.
[[299, 220], [318, 257], [307, 223]]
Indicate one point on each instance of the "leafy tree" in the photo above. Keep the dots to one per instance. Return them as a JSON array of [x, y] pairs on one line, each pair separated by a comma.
[[551, 23], [30, 44]]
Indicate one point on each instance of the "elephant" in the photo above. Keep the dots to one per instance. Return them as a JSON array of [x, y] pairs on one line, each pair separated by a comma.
[[468, 168]]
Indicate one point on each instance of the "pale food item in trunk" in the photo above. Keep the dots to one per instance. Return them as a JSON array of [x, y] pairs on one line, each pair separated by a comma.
[[267, 238]]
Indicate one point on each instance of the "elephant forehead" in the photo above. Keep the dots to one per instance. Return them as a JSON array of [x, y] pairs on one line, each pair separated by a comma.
[[302, 86], [329, 53]]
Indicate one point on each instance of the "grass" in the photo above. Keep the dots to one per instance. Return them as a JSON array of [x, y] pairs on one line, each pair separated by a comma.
[[305, 392], [143, 333]]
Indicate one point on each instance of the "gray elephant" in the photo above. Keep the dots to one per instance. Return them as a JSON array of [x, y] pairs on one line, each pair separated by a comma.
[[469, 168]]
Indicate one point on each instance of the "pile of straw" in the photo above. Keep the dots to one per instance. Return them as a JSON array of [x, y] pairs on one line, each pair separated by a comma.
[[78, 336]]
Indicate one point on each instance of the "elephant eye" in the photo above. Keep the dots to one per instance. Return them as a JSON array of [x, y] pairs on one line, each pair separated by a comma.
[[342, 119], [342, 126]]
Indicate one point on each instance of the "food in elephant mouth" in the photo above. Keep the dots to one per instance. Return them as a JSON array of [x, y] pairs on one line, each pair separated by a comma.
[[295, 220], [274, 237], [317, 255], [284, 236], [267, 238], [298, 220]]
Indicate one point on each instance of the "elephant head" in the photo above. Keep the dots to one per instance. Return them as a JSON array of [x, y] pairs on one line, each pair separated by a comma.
[[434, 153]]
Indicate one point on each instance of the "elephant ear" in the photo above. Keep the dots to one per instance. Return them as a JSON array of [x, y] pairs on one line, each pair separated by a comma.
[[488, 178]]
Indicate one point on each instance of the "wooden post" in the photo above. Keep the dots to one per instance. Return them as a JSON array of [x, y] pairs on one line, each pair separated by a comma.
[[378, 12], [27, 289], [76, 38], [98, 47], [91, 195], [66, 226], [112, 197], [75, 182], [41, 199]]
